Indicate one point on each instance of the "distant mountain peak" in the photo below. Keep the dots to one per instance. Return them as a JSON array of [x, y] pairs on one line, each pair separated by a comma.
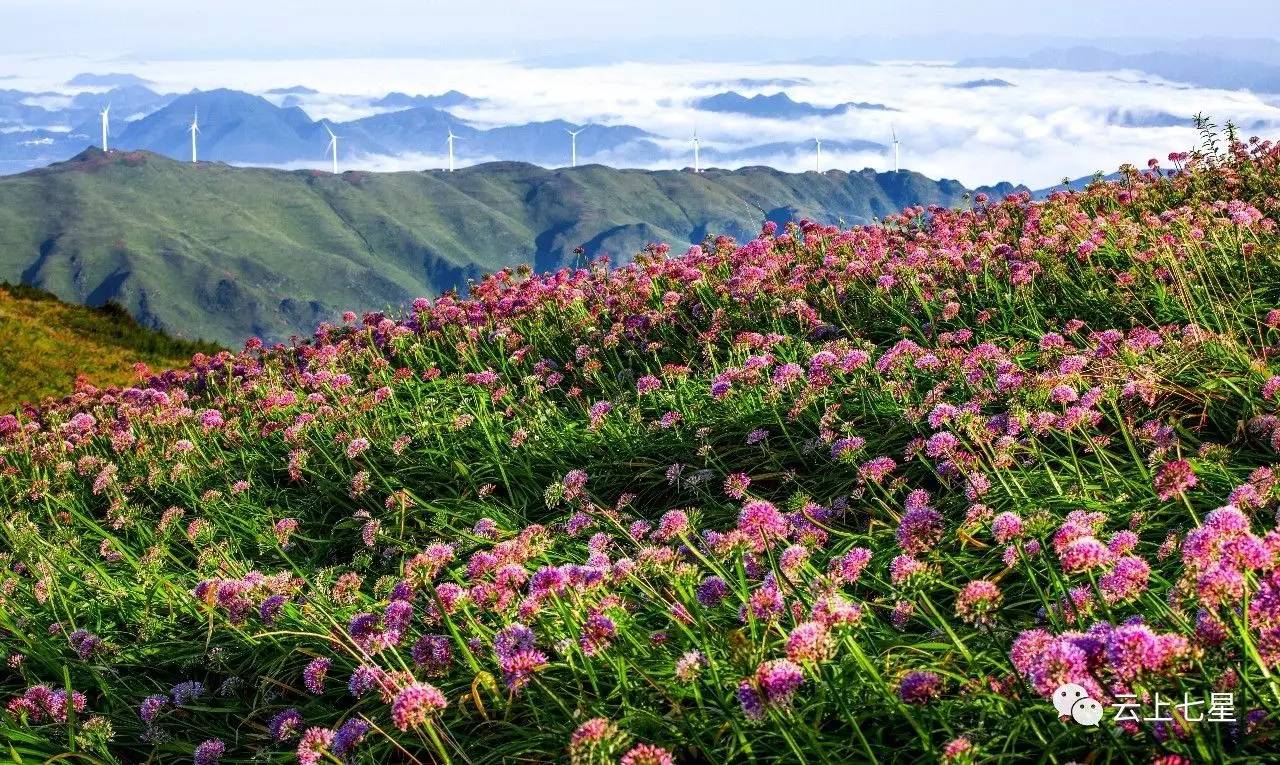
[[111, 80], [776, 106]]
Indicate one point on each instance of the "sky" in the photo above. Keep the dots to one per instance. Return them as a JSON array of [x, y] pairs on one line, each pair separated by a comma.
[[525, 28]]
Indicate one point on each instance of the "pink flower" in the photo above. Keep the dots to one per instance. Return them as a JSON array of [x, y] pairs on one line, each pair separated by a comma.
[[977, 601], [1173, 479], [415, 704], [647, 754]]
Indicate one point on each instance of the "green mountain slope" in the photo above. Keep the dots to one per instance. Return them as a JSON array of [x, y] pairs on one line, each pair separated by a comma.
[[48, 344], [221, 252]]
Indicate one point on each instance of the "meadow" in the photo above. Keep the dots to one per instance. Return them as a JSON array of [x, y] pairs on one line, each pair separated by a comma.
[[50, 346], [822, 496]]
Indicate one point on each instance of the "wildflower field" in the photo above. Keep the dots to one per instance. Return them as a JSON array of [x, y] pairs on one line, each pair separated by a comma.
[[824, 496]]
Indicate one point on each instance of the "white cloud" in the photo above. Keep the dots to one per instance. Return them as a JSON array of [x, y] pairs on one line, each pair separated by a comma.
[[1050, 125]]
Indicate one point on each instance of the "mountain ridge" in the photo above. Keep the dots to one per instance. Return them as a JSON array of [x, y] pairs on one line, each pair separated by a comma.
[[219, 252]]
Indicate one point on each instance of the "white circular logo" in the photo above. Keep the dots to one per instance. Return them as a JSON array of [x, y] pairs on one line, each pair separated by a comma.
[[1072, 700]]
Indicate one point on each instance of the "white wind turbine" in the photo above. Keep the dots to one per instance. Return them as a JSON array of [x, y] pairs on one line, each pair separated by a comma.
[[333, 146], [894, 133], [452, 138], [195, 128], [573, 143], [697, 162], [106, 118], [817, 159]]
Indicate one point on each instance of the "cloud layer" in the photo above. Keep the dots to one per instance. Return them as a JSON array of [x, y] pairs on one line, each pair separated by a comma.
[[1049, 125]]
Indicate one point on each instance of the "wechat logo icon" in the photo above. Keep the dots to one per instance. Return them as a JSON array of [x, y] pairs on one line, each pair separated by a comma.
[[1072, 700]]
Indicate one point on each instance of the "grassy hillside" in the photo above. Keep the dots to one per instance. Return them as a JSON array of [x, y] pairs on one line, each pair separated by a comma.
[[48, 344], [223, 253], [824, 496]]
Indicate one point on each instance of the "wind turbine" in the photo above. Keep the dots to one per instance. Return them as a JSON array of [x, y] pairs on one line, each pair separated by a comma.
[[106, 117], [195, 128], [333, 146], [697, 163], [894, 133], [573, 139], [817, 160], [452, 138]]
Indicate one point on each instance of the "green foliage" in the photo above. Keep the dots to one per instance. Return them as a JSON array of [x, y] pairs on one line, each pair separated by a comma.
[[222, 253], [49, 344]]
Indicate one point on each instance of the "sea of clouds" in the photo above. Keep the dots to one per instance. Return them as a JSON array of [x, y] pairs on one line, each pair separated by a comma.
[[1049, 125]]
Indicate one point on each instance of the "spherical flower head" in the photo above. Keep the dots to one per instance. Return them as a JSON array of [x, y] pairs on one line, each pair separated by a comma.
[[647, 754], [433, 653], [285, 725], [152, 706], [689, 666], [810, 643], [751, 701], [920, 687], [1084, 554], [736, 484], [595, 740], [1220, 584], [349, 736], [356, 447], [834, 611], [315, 742], [271, 607], [518, 668], [647, 384], [919, 530], [1174, 478], [415, 704], [778, 680], [762, 523], [847, 569], [978, 601], [210, 752], [1061, 662], [905, 569], [712, 591], [877, 469], [958, 751], [846, 448], [186, 692], [597, 634], [672, 525], [1126, 580], [793, 558], [1006, 527], [314, 674]]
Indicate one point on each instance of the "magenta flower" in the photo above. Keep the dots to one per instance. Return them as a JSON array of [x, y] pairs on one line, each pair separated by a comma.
[[919, 688], [1173, 479], [415, 704]]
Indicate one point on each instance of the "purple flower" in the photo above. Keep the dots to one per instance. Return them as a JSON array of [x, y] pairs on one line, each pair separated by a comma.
[[919, 687], [712, 591], [920, 529], [186, 692], [285, 725], [349, 736], [313, 676], [210, 752]]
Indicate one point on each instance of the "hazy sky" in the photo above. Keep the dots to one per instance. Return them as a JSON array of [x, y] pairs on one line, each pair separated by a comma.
[[263, 28]]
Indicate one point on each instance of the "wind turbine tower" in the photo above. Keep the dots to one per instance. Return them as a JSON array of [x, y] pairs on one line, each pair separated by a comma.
[[452, 138], [195, 128], [332, 147], [573, 143], [697, 161], [817, 160], [894, 133], [106, 117]]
